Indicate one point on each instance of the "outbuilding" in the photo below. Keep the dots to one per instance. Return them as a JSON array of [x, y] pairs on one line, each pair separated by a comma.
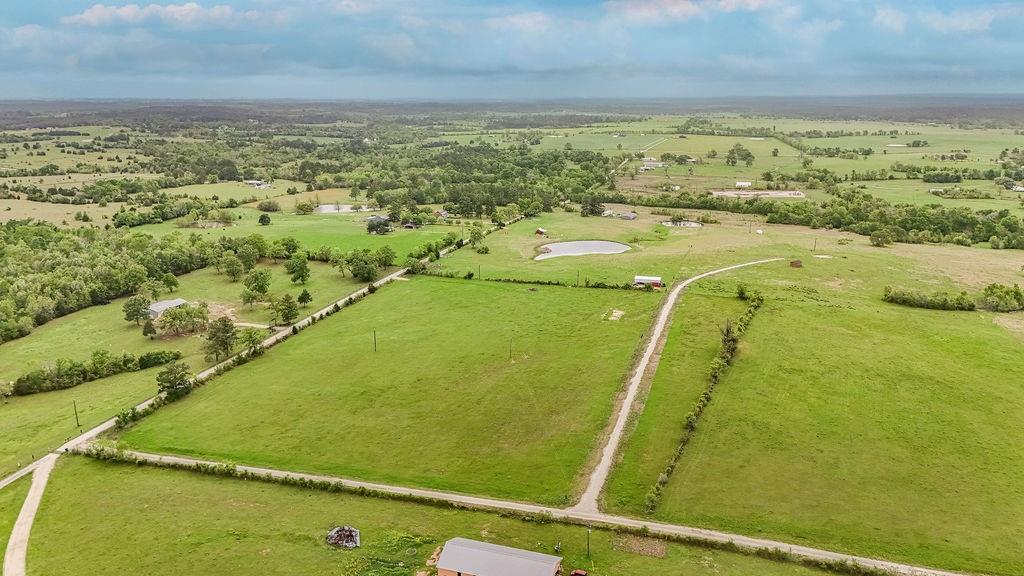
[[464, 557], [156, 309], [744, 184], [654, 281]]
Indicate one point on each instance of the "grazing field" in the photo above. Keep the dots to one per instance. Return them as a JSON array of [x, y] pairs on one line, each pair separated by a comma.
[[235, 190], [31, 426], [344, 231], [654, 250], [11, 499], [441, 396], [693, 341], [60, 214], [860, 426], [917, 192], [172, 522]]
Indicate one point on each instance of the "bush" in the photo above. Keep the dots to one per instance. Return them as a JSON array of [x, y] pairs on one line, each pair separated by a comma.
[[999, 298], [66, 373], [151, 359], [934, 301], [269, 206]]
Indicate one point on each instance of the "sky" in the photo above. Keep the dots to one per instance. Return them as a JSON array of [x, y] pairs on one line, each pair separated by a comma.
[[512, 50]]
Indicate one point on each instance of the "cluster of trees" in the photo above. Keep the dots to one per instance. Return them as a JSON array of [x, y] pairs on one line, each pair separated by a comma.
[[961, 193], [47, 272], [364, 265], [66, 373], [1001, 298], [856, 211], [739, 153]]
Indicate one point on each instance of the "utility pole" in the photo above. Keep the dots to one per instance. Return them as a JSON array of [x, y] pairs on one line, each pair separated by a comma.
[[75, 405], [589, 530], [374, 340], [577, 278], [509, 348], [815, 245]]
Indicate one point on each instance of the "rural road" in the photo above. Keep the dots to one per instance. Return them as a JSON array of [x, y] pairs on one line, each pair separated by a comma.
[[595, 518], [588, 502], [17, 546]]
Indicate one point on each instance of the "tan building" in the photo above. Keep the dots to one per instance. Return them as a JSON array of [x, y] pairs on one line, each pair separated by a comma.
[[463, 557]]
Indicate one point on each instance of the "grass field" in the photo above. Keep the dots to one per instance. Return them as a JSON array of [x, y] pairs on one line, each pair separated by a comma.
[[235, 190], [11, 499], [33, 424], [855, 425], [693, 341], [126, 520], [435, 398], [342, 231]]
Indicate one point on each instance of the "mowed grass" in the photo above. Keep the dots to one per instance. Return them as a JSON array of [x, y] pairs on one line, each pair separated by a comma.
[[855, 425], [11, 499], [343, 231], [693, 341], [235, 190], [32, 425], [128, 520], [440, 404]]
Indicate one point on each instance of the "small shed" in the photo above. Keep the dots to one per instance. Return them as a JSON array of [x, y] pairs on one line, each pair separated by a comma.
[[377, 218], [654, 281], [464, 557], [156, 309], [1018, 189], [541, 232], [742, 184]]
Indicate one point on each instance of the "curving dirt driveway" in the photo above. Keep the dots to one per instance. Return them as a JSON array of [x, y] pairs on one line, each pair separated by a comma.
[[588, 502]]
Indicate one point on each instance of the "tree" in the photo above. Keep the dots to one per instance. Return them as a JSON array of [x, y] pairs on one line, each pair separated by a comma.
[[305, 298], [298, 267], [363, 267], [384, 256], [286, 308], [591, 206], [377, 226], [264, 220], [174, 381], [476, 235], [249, 255], [221, 337], [881, 238], [136, 308], [169, 282], [258, 282], [251, 338], [152, 288], [775, 152], [148, 329], [233, 267]]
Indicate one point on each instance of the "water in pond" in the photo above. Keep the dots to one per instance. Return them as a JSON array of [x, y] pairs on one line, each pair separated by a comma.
[[580, 248]]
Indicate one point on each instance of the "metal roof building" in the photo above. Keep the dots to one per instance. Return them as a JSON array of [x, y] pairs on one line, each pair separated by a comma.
[[466, 557], [158, 308]]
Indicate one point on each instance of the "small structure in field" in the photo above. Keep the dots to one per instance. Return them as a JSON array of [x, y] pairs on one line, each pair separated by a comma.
[[464, 557], [744, 184], [628, 216], [541, 232], [258, 184], [1017, 189], [343, 537], [157, 309], [652, 281]]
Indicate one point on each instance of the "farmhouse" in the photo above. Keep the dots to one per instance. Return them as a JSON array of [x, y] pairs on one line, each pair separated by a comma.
[[464, 557], [156, 309], [653, 281]]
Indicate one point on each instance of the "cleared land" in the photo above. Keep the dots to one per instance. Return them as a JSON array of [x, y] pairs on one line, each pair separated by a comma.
[[347, 232], [171, 522], [855, 425], [436, 396]]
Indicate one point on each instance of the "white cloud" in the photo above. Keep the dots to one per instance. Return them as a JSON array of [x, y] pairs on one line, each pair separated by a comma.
[[971, 21], [816, 30], [187, 15], [651, 11], [354, 7], [890, 18], [524, 22]]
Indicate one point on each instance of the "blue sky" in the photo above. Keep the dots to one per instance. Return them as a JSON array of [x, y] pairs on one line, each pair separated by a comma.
[[432, 49]]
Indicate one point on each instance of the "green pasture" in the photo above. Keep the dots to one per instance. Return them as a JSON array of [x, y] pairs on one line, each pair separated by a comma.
[[11, 499], [480, 387], [124, 519]]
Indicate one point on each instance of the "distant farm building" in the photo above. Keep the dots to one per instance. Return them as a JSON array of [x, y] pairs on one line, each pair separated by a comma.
[[1018, 188], [377, 218], [654, 281], [744, 184], [257, 184], [157, 309], [464, 557]]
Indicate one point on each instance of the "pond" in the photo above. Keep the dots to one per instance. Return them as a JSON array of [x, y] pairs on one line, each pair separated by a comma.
[[580, 248]]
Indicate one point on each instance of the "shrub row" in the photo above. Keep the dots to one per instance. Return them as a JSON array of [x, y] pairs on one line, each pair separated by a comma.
[[730, 341], [934, 301], [70, 373]]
